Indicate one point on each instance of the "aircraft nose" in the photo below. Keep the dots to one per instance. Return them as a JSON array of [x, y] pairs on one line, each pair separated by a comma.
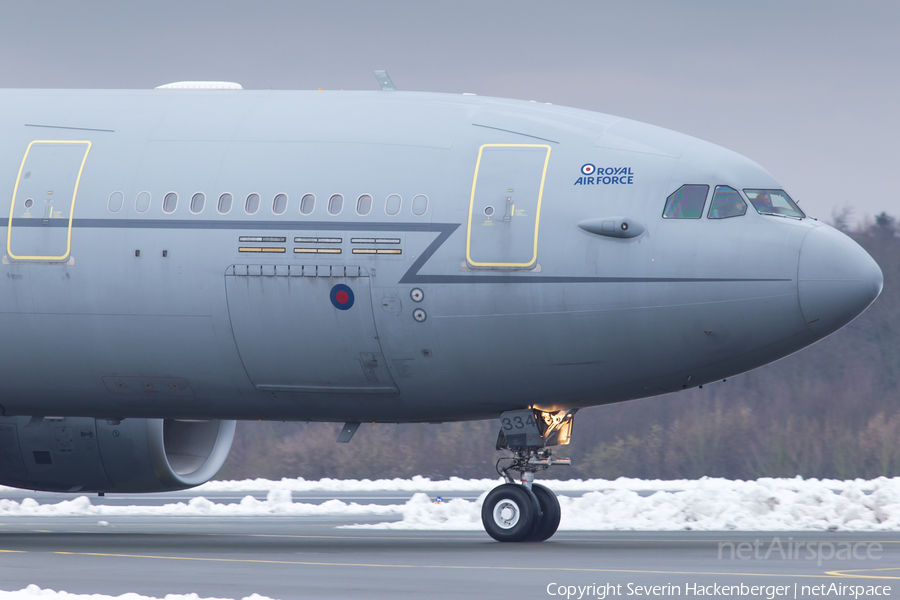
[[836, 280]]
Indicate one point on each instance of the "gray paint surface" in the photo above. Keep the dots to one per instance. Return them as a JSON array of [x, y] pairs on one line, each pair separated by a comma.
[[595, 320]]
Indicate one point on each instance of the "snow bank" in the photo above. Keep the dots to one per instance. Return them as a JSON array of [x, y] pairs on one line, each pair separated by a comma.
[[278, 502], [425, 484], [704, 504], [414, 484], [33, 592], [708, 505]]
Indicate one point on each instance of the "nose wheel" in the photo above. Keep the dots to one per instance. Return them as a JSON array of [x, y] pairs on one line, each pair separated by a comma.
[[513, 513], [510, 512], [526, 511], [548, 522]]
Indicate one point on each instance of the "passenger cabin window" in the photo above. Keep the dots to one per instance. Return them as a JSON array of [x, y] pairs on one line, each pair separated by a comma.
[[279, 205], [225, 202], [774, 202], [252, 204], [726, 202], [420, 205], [142, 202], [392, 205], [198, 202], [170, 202], [116, 200], [686, 202], [307, 204], [364, 205], [335, 204]]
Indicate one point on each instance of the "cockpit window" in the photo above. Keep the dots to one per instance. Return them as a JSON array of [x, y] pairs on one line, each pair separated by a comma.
[[726, 202], [686, 202], [774, 202]]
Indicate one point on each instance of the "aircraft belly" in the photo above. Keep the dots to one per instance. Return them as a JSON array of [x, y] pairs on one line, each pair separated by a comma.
[[113, 364], [594, 343]]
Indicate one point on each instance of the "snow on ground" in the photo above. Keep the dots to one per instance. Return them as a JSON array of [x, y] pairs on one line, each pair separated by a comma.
[[33, 592], [414, 484], [707, 504], [703, 504], [424, 484], [278, 502]]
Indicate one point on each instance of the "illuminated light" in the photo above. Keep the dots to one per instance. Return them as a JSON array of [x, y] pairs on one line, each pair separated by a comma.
[[328, 250], [389, 251], [304, 250], [364, 251]]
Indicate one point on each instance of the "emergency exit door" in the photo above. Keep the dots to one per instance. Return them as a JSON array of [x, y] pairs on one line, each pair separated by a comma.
[[505, 206], [43, 202]]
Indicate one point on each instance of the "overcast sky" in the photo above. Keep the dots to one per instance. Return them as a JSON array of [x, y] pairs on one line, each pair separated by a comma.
[[808, 89]]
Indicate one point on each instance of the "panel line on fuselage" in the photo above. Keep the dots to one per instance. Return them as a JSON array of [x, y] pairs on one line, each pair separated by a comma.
[[445, 230], [71, 128], [534, 137]]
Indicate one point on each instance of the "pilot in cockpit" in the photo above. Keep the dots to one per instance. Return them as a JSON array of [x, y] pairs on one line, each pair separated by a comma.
[[763, 202]]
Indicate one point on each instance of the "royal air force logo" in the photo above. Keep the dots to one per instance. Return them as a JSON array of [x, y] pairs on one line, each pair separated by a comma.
[[593, 175]]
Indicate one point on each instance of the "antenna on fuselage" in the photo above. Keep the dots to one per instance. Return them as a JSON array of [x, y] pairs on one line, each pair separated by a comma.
[[384, 80]]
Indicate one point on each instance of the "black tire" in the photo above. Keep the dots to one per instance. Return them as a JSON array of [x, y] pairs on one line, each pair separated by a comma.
[[547, 525], [510, 512]]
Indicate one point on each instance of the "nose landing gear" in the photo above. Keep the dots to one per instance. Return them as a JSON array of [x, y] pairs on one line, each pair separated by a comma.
[[526, 511]]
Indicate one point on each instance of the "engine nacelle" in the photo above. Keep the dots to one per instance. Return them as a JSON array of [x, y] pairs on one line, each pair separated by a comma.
[[95, 455]]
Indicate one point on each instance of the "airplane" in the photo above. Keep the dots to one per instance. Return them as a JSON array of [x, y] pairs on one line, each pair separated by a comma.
[[184, 257]]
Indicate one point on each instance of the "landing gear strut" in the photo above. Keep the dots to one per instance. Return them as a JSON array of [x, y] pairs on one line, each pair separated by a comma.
[[526, 511]]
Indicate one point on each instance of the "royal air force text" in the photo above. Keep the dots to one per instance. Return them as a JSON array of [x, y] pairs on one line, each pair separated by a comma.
[[608, 176]]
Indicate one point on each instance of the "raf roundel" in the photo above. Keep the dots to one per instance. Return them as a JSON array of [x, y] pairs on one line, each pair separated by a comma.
[[341, 297], [588, 169]]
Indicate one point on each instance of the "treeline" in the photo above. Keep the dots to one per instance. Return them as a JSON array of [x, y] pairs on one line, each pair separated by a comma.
[[831, 410]]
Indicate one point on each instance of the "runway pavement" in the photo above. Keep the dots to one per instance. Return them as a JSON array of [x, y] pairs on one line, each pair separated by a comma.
[[290, 557]]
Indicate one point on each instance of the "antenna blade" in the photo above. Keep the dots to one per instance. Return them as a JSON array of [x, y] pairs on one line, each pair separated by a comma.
[[384, 80]]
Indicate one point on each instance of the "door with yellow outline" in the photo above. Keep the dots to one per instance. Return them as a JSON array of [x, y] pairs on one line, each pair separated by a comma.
[[40, 216], [505, 206]]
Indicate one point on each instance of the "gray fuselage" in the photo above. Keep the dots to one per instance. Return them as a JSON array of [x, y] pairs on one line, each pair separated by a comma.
[[194, 314]]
